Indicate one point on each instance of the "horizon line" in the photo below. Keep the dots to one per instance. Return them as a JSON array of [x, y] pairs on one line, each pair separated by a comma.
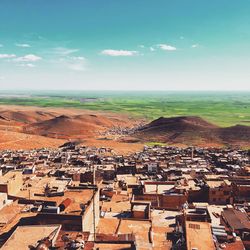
[[132, 90]]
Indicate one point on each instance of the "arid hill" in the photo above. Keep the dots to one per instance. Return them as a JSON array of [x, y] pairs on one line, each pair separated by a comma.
[[66, 127], [239, 135], [32, 127], [27, 116], [192, 130]]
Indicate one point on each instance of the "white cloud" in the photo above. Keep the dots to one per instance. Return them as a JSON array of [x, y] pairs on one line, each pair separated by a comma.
[[7, 56], [75, 63], [28, 58], [141, 46], [112, 52], [167, 47], [64, 51], [29, 65], [195, 45], [152, 49], [81, 58], [23, 45]]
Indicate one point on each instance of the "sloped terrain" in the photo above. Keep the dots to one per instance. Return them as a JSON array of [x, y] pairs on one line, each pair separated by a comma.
[[32, 127], [26, 116], [239, 135], [17, 140], [66, 127], [192, 130]]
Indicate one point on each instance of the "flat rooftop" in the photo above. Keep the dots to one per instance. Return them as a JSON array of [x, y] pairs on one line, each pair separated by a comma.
[[199, 236], [11, 175], [8, 212], [157, 188], [108, 225], [141, 208], [164, 218], [36, 185], [140, 229], [77, 197], [217, 183], [119, 203], [25, 236], [215, 177]]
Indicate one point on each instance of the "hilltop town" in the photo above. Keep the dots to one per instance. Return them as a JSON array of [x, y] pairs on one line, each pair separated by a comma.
[[124, 125], [81, 197]]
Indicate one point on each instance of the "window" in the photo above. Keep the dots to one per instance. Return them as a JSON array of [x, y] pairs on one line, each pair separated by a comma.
[[194, 226]]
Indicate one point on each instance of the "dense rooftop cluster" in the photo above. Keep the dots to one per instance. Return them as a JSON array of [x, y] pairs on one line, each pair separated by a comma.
[[78, 197]]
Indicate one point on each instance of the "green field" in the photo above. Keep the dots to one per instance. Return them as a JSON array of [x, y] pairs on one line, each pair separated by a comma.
[[221, 108]]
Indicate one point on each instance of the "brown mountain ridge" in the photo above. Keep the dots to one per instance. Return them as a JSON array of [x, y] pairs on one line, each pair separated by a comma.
[[34, 127], [64, 126], [192, 130]]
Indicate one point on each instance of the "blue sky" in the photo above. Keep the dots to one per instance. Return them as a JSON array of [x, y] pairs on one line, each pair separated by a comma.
[[118, 44]]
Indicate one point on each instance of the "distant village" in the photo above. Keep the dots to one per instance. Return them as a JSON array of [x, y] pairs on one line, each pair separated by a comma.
[[79, 197]]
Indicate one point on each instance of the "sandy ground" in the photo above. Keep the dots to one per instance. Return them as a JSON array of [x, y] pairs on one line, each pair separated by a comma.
[[15, 140], [12, 135]]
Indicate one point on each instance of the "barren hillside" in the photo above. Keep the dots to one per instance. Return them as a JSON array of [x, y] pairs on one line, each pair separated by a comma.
[[192, 130]]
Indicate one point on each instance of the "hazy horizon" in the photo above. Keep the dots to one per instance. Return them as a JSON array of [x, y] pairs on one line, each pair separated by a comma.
[[126, 90]]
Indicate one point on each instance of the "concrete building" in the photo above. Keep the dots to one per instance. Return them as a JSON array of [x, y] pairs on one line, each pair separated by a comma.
[[199, 236], [11, 183], [220, 191]]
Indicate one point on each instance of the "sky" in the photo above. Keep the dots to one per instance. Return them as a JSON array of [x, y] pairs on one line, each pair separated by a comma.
[[125, 45]]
